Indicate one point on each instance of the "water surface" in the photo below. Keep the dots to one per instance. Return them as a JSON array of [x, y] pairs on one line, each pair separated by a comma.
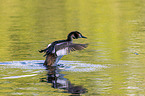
[[113, 63]]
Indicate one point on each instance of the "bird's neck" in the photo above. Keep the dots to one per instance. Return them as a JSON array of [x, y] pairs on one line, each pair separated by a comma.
[[69, 38]]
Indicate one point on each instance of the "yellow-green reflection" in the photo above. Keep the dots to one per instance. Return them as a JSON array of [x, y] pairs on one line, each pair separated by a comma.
[[115, 31]]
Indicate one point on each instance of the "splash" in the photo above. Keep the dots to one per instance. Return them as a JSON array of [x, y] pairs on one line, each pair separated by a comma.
[[75, 66]]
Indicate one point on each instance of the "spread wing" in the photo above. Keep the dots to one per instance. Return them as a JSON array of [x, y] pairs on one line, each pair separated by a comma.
[[74, 47], [65, 48]]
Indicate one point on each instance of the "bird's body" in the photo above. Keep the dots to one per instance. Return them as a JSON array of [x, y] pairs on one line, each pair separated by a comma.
[[55, 51]]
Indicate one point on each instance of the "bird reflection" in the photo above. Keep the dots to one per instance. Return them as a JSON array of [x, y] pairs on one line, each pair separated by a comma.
[[58, 81]]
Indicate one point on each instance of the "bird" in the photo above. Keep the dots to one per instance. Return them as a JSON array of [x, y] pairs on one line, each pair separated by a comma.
[[55, 50]]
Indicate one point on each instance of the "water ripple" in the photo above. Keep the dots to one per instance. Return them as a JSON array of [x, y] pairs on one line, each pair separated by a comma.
[[75, 66]]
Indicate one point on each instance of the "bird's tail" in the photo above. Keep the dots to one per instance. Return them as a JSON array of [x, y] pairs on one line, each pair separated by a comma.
[[44, 50], [47, 51]]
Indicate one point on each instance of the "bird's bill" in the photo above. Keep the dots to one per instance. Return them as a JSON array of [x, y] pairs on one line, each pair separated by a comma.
[[84, 37]]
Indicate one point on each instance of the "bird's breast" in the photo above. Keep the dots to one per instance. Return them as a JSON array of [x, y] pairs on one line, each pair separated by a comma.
[[61, 52]]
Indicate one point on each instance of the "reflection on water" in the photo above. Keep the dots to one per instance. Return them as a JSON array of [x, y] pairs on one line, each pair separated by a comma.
[[58, 81], [12, 77], [29, 71], [113, 61], [54, 75]]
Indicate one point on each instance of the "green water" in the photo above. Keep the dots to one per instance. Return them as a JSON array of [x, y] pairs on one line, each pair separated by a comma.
[[115, 30]]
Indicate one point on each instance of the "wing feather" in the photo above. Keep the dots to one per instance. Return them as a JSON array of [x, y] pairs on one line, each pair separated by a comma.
[[65, 48], [74, 47]]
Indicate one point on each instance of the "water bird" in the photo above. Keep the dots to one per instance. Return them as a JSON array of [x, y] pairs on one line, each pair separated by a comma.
[[55, 50]]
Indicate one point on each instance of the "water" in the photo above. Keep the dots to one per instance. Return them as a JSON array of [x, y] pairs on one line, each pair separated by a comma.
[[113, 63]]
